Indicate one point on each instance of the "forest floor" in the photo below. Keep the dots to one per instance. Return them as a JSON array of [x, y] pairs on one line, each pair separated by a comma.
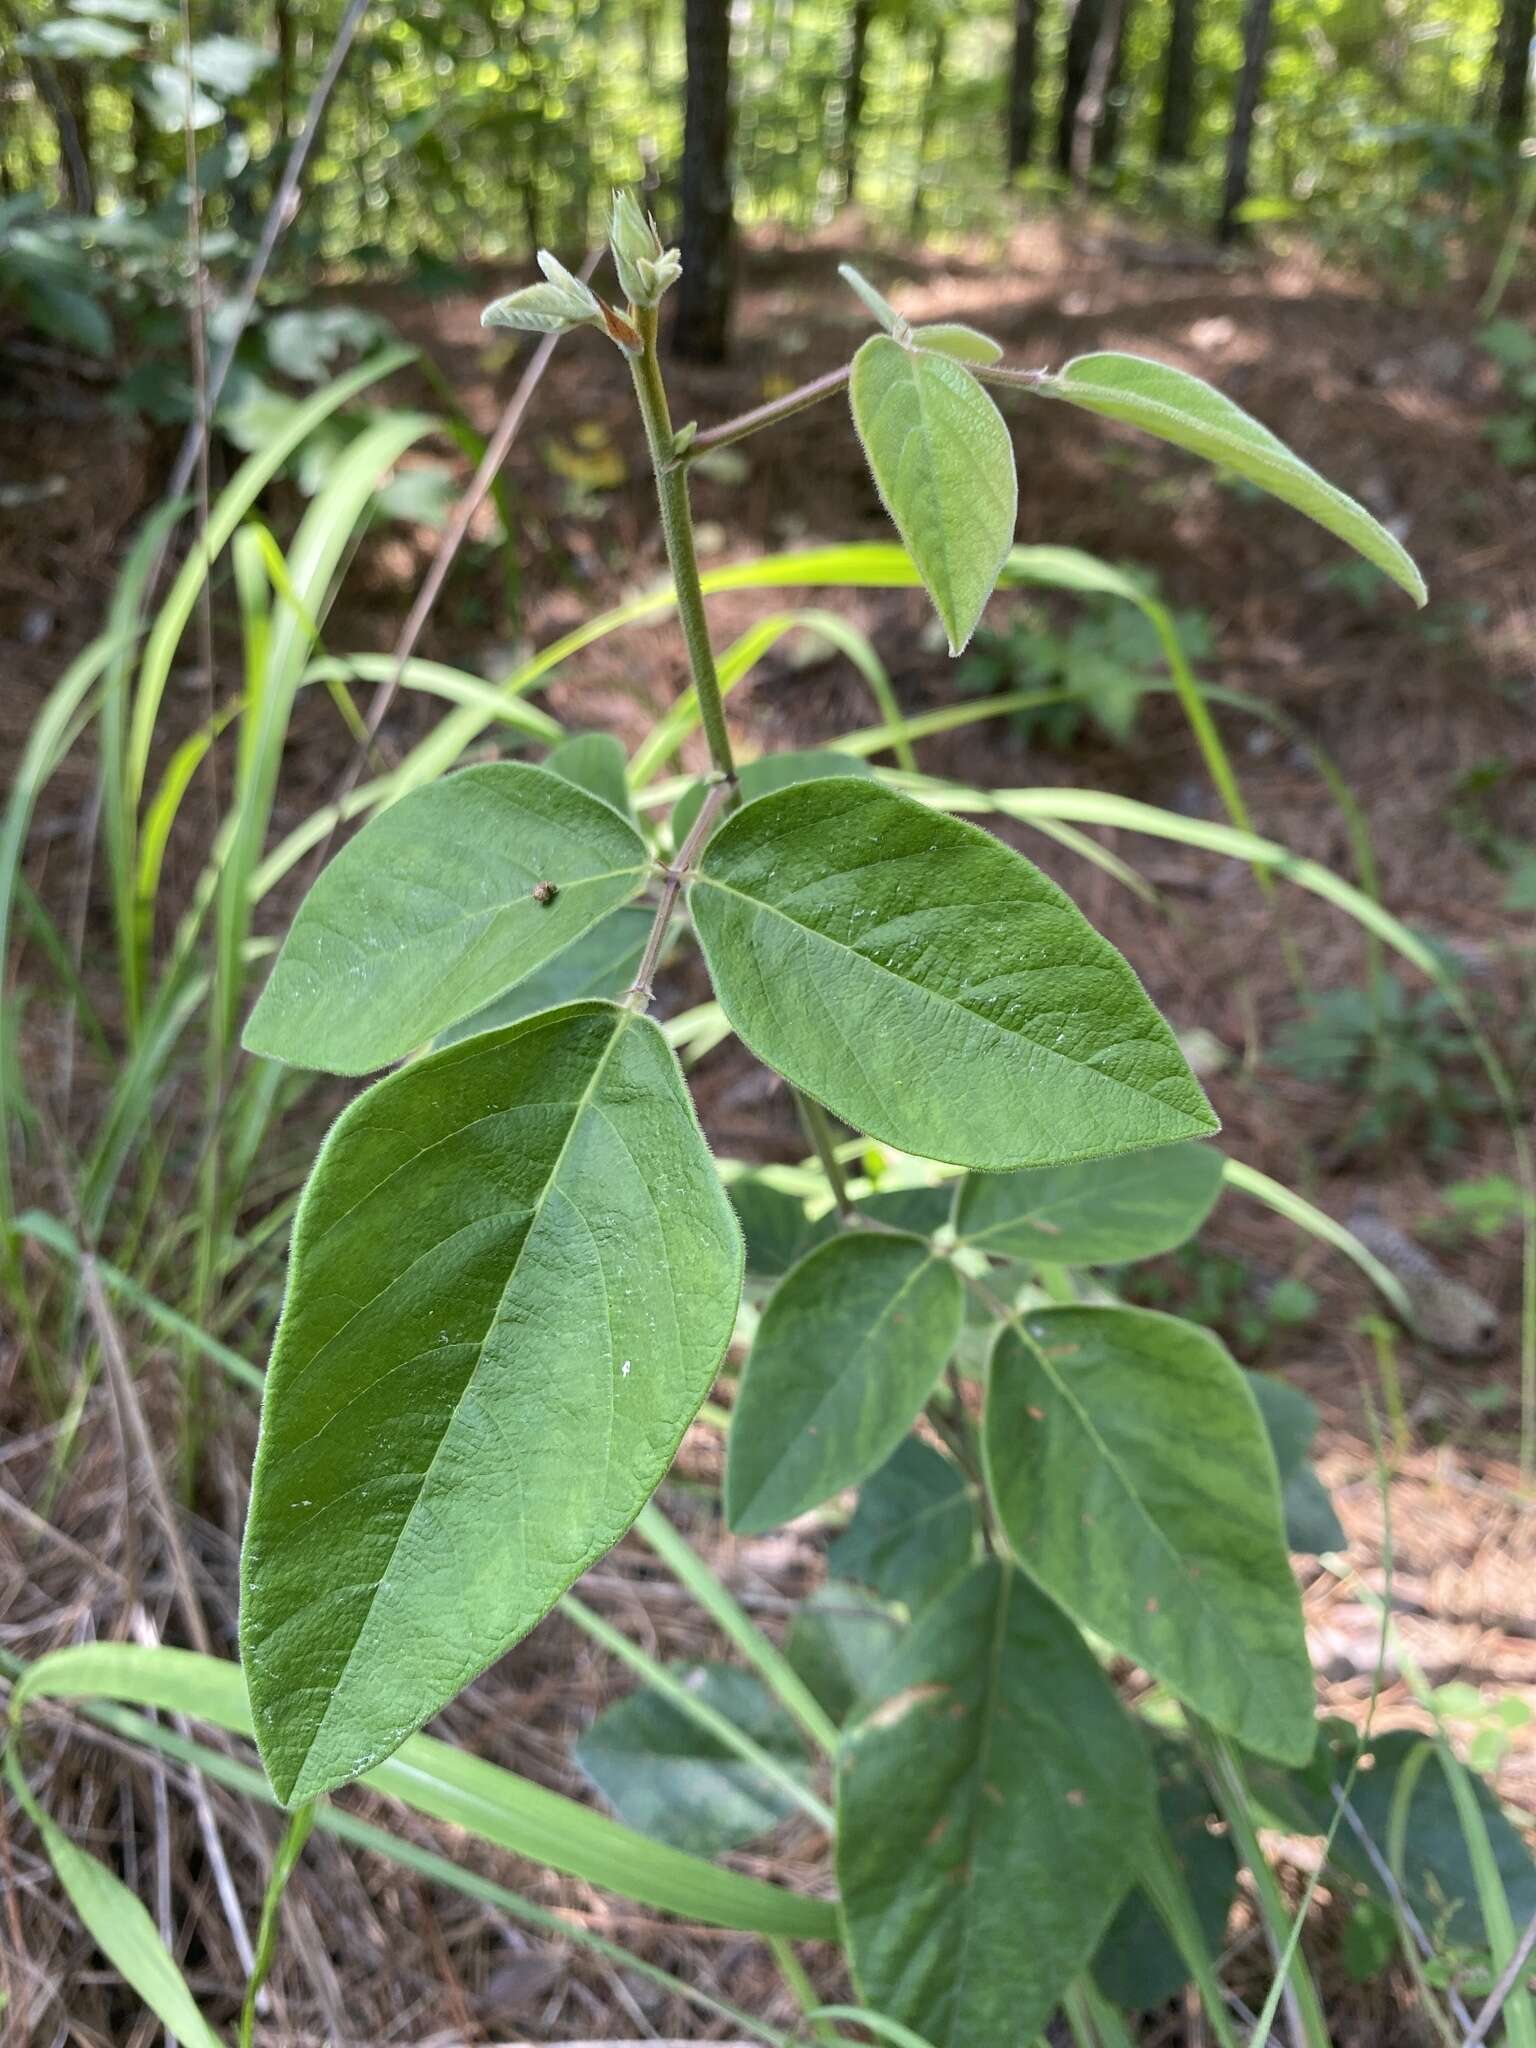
[[1390, 400]]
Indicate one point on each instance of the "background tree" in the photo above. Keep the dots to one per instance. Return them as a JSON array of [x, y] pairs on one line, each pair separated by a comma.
[[1250, 85], [1511, 65], [1022, 82], [853, 96], [1177, 114], [701, 324], [1077, 63]]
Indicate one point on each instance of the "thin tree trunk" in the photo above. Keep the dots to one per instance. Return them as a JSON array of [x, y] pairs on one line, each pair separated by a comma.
[[287, 66], [1511, 63], [1088, 115], [1106, 134], [1082, 40], [853, 95], [701, 323], [1177, 118], [1021, 89], [938, 43], [1250, 85]]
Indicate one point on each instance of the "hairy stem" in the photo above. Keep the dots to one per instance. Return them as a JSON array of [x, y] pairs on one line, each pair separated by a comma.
[[639, 995], [677, 531], [769, 413]]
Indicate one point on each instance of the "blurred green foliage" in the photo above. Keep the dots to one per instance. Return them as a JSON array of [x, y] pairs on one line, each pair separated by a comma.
[[485, 129]]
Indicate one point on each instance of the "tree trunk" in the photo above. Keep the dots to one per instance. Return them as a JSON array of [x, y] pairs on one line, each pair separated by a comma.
[[286, 82], [853, 96], [1088, 115], [1250, 84], [938, 44], [1177, 118], [1511, 63], [1082, 39], [1021, 90], [1106, 133], [701, 322]]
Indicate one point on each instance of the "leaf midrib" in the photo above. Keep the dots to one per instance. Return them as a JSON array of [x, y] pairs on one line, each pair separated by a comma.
[[977, 1816], [1277, 460], [758, 903], [837, 1384], [485, 913], [1090, 1430], [621, 1022]]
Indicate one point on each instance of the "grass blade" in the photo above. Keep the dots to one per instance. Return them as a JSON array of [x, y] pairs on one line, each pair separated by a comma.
[[117, 1923], [447, 1785]]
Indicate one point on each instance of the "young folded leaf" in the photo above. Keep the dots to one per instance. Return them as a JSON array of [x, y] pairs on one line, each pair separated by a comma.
[[1104, 1212], [514, 1275], [990, 1812], [1133, 1478], [453, 894], [965, 344], [850, 1347], [930, 986], [1188, 412], [943, 463]]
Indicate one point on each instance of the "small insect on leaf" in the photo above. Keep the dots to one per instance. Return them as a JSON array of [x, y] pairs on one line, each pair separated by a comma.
[[545, 892]]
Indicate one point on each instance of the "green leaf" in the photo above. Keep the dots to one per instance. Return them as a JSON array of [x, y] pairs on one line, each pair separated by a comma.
[[69, 315], [596, 762], [837, 1642], [1186, 411], [773, 1224], [964, 344], [117, 1923], [914, 1530], [1439, 1878], [74, 41], [173, 103], [600, 966], [1133, 1478], [769, 772], [306, 342], [943, 464], [991, 1809], [931, 987], [850, 1347], [227, 65], [665, 1775], [1138, 1965], [435, 907], [1311, 1524], [1103, 1213], [514, 1274]]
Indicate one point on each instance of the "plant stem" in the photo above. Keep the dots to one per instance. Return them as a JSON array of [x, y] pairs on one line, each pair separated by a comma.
[[1304, 2013], [768, 414], [677, 531], [818, 1128], [639, 995]]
